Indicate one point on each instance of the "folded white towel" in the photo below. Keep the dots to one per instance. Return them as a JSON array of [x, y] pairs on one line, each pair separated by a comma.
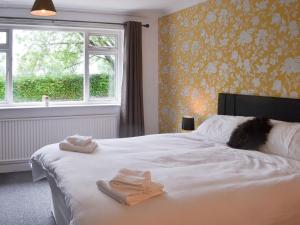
[[79, 140], [135, 189], [66, 146], [136, 173], [138, 180], [129, 196]]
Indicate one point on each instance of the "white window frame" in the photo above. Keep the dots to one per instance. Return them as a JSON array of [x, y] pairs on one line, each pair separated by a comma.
[[6, 49], [118, 32]]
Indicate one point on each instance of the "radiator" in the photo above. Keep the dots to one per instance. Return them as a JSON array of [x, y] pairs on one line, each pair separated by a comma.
[[19, 138]]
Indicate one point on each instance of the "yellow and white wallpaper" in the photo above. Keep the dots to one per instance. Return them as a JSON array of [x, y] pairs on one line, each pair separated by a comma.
[[234, 46]]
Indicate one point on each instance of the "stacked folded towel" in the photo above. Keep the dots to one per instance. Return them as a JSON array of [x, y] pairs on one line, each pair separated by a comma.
[[131, 187], [77, 143]]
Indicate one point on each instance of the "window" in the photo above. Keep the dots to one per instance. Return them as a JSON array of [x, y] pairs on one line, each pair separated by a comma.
[[102, 41], [102, 74], [3, 64], [2, 75], [3, 37], [47, 63], [68, 65]]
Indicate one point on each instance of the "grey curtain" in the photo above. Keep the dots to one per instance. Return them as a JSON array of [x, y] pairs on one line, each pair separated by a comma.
[[132, 111]]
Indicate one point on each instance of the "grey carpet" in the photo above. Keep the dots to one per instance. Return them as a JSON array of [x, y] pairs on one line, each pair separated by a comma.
[[23, 202]]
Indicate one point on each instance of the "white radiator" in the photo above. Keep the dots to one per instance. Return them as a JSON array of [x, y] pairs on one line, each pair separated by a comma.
[[19, 138]]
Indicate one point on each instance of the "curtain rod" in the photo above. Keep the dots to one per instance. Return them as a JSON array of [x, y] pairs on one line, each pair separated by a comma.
[[68, 21]]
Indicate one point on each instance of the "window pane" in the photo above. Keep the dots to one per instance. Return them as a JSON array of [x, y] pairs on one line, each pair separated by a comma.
[[47, 63], [2, 75], [2, 37], [102, 41], [102, 76]]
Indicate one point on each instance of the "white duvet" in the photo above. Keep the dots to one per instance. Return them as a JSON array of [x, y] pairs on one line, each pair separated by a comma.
[[205, 183]]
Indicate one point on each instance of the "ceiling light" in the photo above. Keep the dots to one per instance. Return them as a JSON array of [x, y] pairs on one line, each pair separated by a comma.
[[43, 8]]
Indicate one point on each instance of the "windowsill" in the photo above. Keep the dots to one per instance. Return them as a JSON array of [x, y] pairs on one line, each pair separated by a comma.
[[41, 106], [40, 111]]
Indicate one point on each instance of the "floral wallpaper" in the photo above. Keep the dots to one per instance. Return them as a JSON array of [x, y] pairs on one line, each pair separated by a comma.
[[234, 46]]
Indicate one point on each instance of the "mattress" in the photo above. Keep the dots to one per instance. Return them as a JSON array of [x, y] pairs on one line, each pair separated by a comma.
[[60, 210], [205, 183]]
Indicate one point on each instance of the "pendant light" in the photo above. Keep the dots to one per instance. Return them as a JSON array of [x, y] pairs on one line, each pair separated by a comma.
[[43, 8]]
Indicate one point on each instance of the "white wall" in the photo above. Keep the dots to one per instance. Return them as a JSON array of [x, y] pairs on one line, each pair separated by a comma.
[[150, 79], [150, 54]]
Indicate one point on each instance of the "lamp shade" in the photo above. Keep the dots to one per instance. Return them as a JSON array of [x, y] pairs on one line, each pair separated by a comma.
[[188, 123], [43, 8]]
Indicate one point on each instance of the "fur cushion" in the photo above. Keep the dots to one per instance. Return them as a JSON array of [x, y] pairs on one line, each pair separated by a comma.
[[251, 134]]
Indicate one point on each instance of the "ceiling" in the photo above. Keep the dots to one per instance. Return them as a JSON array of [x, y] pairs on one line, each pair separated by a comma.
[[111, 6]]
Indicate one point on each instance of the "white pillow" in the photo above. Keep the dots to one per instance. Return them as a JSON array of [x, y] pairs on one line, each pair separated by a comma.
[[218, 128], [284, 140], [294, 150]]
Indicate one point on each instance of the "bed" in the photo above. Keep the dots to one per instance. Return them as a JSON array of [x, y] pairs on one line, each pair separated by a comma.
[[206, 183]]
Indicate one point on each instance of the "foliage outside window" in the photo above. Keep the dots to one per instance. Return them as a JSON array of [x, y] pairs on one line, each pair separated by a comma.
[[67, 66], [2, 75]]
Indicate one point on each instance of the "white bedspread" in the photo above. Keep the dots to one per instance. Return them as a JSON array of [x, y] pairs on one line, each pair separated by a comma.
[[206, 183]]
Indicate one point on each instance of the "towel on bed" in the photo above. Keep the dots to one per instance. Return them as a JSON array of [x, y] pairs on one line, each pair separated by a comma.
[[130, 196], [131, 187], [134, 179], [79, 140], [89, 148]]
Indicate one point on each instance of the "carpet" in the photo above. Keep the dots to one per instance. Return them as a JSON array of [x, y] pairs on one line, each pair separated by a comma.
[[23, 202]]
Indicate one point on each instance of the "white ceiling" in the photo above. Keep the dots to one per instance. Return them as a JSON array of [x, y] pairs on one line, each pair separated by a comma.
[[111, 6]]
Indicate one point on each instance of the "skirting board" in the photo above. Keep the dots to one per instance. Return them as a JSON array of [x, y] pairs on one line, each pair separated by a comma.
[[15, 166]]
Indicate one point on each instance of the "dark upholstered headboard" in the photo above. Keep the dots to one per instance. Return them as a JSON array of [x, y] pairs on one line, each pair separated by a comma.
[[285, 109]]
